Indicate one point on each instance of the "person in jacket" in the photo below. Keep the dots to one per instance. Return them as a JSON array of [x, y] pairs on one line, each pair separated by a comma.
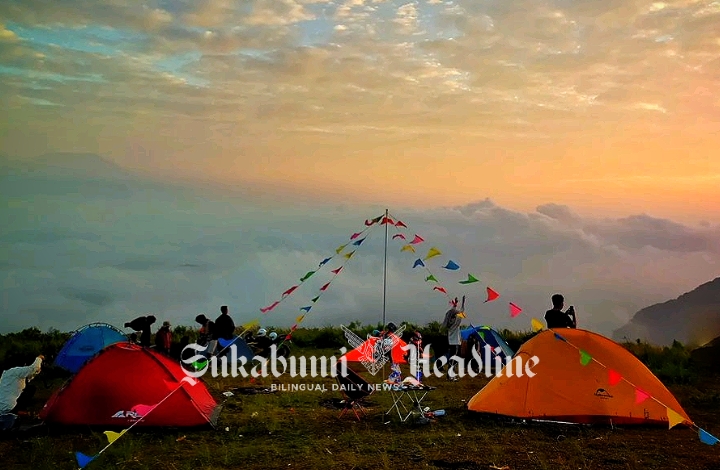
[[452, 322], [163, 338], [143, 324], [224, 325]]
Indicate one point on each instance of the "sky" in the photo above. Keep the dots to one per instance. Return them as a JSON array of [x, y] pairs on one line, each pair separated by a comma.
[[545, 145], [92, 242], [610, 106]]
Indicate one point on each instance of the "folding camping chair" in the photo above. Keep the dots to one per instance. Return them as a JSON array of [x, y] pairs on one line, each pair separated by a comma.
[[354, 388]]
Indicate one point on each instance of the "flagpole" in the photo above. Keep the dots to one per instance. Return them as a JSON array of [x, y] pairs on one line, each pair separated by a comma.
[[385, 268]]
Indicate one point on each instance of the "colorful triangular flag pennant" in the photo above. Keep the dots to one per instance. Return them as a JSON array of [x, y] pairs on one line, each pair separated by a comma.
[[408, 248], [536, 324], [307, 309], [559, 338], [641, 395], [441, 289], [432, 253], [325, 286], [307, 276], [113, 436], [398, 235], [418, 262], [514, 310], [349, 255], [314, 299], [289, 291], [340, 248], [469, 280], [451, 265], [674, 418], [270, 307], [355, 235], [142, 410], [359, 242], [614, 378], [83, 459], [299, 318], [430, 278], [585, 358], [336, 271], [491, 295], [707, 438], [324, 262], [417, 239], [400, 224]]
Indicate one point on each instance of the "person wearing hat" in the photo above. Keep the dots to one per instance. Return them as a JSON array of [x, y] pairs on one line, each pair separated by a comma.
[[163, 338]]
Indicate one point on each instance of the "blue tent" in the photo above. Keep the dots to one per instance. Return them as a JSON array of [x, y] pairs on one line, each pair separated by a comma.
[[484, 335], [85, 343], [242, 348]]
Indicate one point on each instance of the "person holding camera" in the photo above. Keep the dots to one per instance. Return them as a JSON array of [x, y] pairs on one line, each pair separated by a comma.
[[556, 318]]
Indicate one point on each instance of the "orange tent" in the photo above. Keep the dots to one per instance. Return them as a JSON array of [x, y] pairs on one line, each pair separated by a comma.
[[580, 377]]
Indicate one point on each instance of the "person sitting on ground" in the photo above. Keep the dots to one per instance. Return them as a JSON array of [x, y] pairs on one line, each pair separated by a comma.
[[556, 318], [224, 325], [14, 390], [143, 324], [163, 338], [262, 342]]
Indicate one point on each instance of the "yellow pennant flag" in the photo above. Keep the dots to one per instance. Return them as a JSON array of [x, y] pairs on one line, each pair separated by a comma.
[[536, 324], [433, 252], [408, 248], [114, 436], [300, 318], [461, 315], [674, 418], [341, 248], [349, 255]]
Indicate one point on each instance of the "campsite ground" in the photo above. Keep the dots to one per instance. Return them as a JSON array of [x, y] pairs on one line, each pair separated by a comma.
[[301, 430]]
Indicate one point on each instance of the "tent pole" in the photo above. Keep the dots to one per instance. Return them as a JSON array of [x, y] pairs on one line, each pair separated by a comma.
[[385, 268]]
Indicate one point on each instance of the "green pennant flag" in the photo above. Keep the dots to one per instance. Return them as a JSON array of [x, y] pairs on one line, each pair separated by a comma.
[[585, 358], [469, 280], [482, 335], [314, 299], [307, 276], [431, 278]]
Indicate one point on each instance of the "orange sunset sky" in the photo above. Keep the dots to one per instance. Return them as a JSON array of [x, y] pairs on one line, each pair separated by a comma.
[[611, 107]]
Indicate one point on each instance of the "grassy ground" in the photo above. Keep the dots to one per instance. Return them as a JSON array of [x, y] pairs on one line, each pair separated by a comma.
[[299, 430]]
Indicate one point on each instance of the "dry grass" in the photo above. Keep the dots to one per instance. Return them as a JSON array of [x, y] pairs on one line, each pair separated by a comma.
[[293, 430]]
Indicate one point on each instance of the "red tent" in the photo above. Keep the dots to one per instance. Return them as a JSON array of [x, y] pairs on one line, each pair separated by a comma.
[[364, 351], [121, 377]]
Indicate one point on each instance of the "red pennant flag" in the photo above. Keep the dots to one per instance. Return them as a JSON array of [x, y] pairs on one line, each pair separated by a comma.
[[355, 235], [441, 289], [514, 310], [294, 327], [325, 286], [335, 271], [387, 220], [417, 239], [289, 291], [270, 307], [369, 222], [491, 295], [142, 410], [400, 224], [614, 378], [641, 395], [399, 235]]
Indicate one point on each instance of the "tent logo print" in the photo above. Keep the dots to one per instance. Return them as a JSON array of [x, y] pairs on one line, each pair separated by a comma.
[[127, 414], [602, 393], [373, 355]]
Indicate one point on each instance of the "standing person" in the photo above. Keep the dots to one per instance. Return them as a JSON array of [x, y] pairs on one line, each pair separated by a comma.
[[163, 338], [206, 334], [452, 322], [143, 324], [224, 325], [556, 318]]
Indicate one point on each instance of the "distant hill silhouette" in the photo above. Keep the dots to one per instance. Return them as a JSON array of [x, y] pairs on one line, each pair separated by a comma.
[[694, 317]]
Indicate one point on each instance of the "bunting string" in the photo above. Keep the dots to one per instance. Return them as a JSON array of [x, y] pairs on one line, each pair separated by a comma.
[[371, 224], [355, 240], [142, 411]]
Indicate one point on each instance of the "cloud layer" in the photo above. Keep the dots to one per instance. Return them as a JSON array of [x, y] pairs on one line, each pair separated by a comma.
[[80, 249], [507, 96]]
